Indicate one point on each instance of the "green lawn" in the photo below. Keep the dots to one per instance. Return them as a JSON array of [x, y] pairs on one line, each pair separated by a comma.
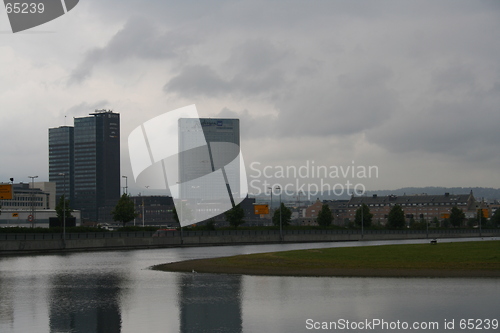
[[444, 259]]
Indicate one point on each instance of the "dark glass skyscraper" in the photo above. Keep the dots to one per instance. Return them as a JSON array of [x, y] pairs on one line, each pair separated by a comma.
[[95, 180], [61, 161]]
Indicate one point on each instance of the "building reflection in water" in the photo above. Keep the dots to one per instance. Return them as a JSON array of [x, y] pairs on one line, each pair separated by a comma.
[[210, 303], [6, 304], [85, 303]]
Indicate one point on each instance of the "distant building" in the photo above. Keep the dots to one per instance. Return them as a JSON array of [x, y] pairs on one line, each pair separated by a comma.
[[84, 162], [62, 161], [27, 198], [154, 210], [419, 207], [209, 167], [219, 134], [493, 208], [50, 188], [339, 211], [310, 213], [313, 210], [38, 202]]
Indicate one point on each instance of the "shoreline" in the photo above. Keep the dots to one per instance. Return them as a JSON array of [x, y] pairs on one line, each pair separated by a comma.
[[448, 261], [200, 267]]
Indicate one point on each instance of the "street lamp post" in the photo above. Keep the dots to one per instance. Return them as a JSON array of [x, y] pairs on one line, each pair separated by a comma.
[[126, 184], [64, 205], [480, 215], [298, 207], [33, 214], [427, 228], [180, 221], [281, 229], [135, 211], [362, 222], [270, 212], [143, 206]]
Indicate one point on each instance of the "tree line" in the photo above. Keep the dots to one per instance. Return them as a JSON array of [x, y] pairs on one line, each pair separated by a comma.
[[125, 212]]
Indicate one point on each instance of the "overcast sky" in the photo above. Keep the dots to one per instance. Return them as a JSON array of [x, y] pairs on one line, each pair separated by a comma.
[[412, 87]]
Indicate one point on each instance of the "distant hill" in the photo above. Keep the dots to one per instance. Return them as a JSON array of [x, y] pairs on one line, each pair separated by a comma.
[[489, 194]]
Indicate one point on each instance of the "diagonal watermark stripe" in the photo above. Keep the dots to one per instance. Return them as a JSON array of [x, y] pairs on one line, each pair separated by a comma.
[[198, 160]]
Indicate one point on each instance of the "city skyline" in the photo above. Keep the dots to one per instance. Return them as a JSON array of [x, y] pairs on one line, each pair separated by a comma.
[[411, 89], [84, 162]]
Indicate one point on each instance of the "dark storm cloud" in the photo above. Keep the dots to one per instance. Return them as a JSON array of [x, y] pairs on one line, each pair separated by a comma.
[[253, 68], [344, 105], [408, 76], [418, 76]]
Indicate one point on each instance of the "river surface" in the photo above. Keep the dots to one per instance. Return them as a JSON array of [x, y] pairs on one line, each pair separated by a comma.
[[117, 292]]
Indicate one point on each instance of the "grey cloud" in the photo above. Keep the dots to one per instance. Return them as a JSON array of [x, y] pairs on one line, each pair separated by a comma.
[[362, 87], [356, 101], [466, 126], [139, 38], [257, 56], [253, 68], [454, 80], [252, 126], [197, 80]]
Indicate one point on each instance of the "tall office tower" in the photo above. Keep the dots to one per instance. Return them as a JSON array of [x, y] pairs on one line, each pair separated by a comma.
[[97, 162], [61, 161], [89, 157], [209, 166]]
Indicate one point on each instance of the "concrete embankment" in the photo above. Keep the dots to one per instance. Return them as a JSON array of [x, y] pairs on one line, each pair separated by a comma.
[[36, 243]]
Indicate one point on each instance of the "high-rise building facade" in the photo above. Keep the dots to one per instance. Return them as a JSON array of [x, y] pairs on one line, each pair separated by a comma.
[[94, 162], [209, 166], [61, 161]]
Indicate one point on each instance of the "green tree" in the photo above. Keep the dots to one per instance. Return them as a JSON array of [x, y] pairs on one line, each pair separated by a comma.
[[235, 216], [457, 216], [396, 218], [471, 222], [210, 225], [63, 209], [124, 210], [325, 216], [363, 215], [418, 225], [286, 216], [495, 219]]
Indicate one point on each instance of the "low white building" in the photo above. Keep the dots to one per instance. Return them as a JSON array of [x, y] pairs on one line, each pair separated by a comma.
[[21, 218], [31, 206]]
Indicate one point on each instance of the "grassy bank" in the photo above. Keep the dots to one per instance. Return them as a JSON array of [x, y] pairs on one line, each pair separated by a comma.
[[467, 259]]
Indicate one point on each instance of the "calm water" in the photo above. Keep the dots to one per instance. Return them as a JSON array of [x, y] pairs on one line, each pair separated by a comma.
[[116, 292]]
